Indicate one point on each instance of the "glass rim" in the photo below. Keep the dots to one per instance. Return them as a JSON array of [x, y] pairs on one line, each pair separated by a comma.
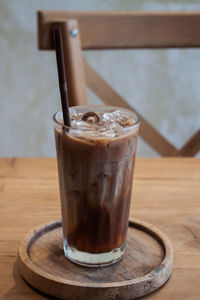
[[137, 121]]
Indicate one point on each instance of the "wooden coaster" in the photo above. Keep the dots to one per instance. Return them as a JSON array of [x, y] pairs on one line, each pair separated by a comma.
[[146, 265]]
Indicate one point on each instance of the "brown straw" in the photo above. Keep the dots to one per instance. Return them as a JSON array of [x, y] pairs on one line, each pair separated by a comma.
[[58, 45]]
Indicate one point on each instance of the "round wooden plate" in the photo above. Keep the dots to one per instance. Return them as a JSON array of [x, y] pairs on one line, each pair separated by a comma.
[[146, 265]]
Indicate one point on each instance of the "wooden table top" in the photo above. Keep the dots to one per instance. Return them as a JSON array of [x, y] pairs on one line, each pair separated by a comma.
[[166, 194]]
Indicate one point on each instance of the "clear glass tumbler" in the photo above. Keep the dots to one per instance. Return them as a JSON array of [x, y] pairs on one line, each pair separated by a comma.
[[95, 179]]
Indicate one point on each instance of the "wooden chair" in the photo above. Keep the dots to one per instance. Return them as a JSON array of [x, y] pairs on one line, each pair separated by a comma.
[[119, 30]]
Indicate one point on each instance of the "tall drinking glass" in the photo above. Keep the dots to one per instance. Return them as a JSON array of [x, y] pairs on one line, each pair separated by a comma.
[[96, 158]]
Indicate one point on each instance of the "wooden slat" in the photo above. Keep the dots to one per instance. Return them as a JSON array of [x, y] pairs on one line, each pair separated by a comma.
[[106, 30], [73, 63], [191, 147], [111, 97]]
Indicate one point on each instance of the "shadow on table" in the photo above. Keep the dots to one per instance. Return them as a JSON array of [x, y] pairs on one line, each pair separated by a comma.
[[23, 290]]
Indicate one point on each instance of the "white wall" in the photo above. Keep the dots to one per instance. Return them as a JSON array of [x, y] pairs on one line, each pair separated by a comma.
[[163, 85]]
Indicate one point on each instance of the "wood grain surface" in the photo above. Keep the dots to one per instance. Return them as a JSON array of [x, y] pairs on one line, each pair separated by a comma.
[[166, 193], [114, 30], [146, 265]]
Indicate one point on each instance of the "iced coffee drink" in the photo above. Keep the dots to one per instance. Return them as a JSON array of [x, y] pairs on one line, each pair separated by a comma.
[[96, 158]]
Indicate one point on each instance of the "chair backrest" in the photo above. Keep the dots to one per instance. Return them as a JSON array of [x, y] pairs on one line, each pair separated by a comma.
[[119, 30]]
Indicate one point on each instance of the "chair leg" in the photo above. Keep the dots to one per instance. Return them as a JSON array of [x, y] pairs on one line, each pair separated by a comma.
[[75, 73]]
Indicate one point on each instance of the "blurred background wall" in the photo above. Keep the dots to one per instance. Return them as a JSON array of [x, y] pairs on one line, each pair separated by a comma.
[[161, 84]]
